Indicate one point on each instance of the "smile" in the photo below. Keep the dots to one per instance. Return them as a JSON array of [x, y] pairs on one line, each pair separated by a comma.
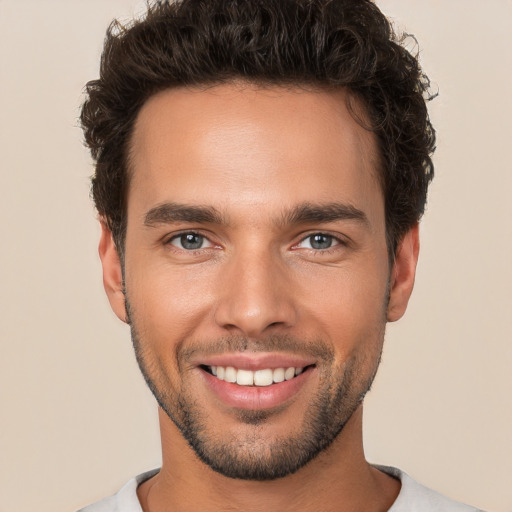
[[256, 381], [264, 377]]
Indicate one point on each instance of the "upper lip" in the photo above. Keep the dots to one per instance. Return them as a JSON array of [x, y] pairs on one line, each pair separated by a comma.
[[256, 361]]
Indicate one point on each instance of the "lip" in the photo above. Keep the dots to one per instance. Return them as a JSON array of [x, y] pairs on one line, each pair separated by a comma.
[[256, 397]]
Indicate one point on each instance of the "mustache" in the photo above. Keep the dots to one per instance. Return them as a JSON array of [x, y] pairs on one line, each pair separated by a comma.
[[316, 348]]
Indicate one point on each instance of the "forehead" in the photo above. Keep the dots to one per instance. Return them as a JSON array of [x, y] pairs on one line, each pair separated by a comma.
[[241, 144]]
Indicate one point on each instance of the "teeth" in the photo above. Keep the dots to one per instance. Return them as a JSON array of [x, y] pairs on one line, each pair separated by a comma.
[[230, 374], [278, 375], [245, 377], [289, 373], [264, 377]]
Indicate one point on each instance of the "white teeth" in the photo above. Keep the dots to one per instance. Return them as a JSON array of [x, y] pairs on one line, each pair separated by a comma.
[[265, 377], [289, 373], [245, 377], [230, 374], [278, 375]]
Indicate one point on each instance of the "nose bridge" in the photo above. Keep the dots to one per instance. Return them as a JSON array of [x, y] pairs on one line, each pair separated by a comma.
[[255, 295]]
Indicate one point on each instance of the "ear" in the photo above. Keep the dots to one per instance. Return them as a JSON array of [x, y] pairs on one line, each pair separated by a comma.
[[112, 272], [403, 274]]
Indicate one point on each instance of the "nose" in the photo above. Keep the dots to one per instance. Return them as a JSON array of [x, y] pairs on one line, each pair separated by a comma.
[[256, 295]]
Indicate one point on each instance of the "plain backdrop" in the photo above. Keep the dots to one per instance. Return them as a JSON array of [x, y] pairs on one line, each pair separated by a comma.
[[76, 418]]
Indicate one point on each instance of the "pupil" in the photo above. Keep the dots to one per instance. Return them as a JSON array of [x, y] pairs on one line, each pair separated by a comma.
[[321, 241], [191, 241]]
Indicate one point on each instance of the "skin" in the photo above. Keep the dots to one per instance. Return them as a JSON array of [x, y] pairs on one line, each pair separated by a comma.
[[254, 155]]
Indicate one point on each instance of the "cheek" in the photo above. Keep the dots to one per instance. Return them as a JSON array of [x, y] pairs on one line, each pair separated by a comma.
[[169, 303], [350, 309]]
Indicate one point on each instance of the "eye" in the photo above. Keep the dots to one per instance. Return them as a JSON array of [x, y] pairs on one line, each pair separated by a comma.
[[318, 242], [190, 241]]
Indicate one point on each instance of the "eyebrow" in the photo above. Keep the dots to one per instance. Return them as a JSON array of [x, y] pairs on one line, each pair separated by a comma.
[[308, 213], [305, 213], [167, 213]]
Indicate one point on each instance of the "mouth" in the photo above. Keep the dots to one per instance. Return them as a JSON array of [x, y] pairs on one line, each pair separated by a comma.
[[257, 385], [255, 378]]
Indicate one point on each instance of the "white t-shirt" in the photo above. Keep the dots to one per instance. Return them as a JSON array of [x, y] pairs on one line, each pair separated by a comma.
[[413, 497]]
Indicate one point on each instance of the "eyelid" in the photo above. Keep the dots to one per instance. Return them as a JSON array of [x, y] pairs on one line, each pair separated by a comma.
[[337, 238], [176, 236]]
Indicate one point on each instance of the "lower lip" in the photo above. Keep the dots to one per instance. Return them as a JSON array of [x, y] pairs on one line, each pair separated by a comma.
[[256, 397]]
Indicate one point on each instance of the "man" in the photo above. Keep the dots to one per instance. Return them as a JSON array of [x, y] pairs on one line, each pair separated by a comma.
[[261, 169]]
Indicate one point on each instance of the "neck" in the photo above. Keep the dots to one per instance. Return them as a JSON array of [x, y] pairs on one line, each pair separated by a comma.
[[339, 479]]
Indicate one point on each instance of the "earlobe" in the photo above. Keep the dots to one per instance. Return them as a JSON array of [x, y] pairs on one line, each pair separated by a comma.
[[112, 272], [403, 274]]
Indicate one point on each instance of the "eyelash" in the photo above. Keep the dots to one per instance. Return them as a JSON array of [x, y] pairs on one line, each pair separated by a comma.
[[339, 242], [177, 236]]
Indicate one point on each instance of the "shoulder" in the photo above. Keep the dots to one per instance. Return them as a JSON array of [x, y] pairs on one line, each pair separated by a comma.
[[125, 500], [105, 505], [415, 497]]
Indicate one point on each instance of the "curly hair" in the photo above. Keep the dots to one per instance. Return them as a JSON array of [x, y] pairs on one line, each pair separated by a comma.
[[319, 43]]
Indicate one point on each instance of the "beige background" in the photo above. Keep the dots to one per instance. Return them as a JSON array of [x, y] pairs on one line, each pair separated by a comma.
[[76, 418]]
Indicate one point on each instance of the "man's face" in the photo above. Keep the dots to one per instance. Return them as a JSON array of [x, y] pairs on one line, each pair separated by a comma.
[[255, 245]]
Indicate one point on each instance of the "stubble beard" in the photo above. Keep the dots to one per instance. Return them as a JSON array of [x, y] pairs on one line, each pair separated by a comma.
[[250, 455]]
